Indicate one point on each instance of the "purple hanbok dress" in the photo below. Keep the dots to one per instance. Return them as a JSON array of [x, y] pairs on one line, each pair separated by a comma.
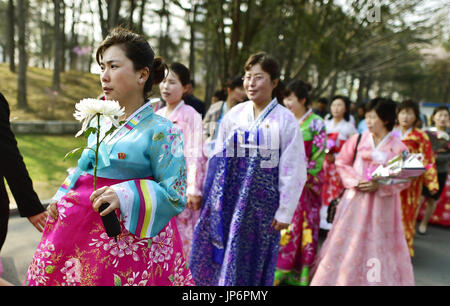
[[256, 174]]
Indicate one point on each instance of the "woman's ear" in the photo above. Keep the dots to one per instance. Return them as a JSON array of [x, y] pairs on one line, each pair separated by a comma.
[[143, 75], [275, 83]]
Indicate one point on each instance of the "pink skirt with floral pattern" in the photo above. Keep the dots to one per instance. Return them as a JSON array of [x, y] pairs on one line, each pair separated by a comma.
[[76, 251]]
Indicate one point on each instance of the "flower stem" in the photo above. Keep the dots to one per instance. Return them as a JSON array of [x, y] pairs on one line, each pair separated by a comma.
[[96, 151]]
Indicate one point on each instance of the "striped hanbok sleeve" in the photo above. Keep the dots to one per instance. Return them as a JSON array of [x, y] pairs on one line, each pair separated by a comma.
[[138, 206]]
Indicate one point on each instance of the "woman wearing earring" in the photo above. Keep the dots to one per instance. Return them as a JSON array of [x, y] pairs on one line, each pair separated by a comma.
[[254, 180], [189, 121], [143, 179]]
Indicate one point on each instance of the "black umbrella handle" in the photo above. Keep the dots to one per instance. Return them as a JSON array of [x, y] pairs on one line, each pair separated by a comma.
[[110, 222]]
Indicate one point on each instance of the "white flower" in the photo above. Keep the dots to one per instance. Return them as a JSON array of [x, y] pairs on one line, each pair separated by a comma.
[[86, 109]]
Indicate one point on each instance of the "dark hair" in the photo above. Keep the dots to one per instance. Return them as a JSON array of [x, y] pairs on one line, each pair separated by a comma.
[[235, 82], [323, 100], [347, 106], [269, 65], [220, 94], [300, 89], [385, 109], [438, 109], [139, 51], [182, 72], [410, 104]]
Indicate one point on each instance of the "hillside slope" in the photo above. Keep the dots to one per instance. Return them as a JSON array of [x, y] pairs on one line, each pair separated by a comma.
[[44, 104]]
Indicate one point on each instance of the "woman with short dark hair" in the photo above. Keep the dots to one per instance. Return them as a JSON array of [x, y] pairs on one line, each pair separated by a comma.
[[300, 241], [436, 205], [417, 141], [339, 130], [366, 245]]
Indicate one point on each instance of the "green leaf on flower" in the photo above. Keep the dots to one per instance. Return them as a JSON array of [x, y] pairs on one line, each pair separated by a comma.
[[72, 153], [171, 278], [111, 130], [117, 280], [89, 131], [149, 243]]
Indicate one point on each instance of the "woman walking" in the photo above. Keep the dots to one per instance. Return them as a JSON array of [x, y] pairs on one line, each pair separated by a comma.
[[300, 241], [366, 245], [142, 176], [339, 130], [417, 142], [253, 184], [189, 121]]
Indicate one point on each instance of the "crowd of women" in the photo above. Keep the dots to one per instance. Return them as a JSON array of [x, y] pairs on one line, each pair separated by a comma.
[[244, 202]]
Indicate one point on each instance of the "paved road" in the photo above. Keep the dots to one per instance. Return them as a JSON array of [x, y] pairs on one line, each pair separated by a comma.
[[431, 262]]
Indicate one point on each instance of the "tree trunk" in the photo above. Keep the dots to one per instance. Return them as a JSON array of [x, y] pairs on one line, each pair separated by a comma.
[[103, 22], [192, 43], [22, 103], [362, 82], [113, 13], [234, 68], [131, 13], [11, 32], [57, 47], [141, 17], [63, 36]]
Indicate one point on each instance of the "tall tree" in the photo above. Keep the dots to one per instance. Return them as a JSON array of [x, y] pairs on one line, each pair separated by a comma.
[[113, 17], [57, 47], [11, 33], [22, 12]]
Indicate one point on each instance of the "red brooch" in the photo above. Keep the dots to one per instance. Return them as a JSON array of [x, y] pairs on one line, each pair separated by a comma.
[[121, 155]]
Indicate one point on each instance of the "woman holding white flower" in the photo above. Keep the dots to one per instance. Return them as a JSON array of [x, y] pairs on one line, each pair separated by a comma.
[[140, 172]]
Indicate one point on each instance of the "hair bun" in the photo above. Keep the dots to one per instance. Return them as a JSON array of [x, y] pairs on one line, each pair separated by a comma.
[[159, 69]]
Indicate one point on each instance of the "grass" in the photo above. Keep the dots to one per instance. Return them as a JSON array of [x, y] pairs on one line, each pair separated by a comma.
[[43, 156], [43, 103]]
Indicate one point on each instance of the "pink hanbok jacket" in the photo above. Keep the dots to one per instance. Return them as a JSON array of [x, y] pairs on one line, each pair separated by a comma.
[[189, 121]]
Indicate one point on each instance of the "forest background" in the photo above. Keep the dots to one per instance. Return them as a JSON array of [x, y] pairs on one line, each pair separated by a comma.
[[363, 48]]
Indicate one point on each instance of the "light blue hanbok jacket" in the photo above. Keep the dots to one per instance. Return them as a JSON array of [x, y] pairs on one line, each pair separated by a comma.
[[147, 151]]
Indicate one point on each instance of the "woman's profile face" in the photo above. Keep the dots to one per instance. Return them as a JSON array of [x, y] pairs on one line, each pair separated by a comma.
[[258, 85], [118, 78], [338, 108], [441, 118], [374, 123], [171, 88], [237, 94], [406, 118], [293, 104]]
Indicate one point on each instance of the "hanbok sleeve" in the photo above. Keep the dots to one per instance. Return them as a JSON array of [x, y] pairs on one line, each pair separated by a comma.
[[195, 158], [344, 164], [292, 168], [429, 161], [318, 148], [148, 205]]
